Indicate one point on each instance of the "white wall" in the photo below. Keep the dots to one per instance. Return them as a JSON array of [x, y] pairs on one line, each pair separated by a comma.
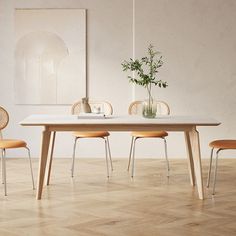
[[198, 43]]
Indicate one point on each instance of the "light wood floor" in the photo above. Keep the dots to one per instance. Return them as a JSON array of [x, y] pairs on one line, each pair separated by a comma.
[[91, 205]]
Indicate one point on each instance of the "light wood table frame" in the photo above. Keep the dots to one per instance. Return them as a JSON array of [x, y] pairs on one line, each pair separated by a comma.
[[186, 124]]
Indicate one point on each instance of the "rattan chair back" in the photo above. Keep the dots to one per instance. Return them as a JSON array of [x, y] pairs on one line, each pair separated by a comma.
[[135, 108], [101, 106], [4, 118]]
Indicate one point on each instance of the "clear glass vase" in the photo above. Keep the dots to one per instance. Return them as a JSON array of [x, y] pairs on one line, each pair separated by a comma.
[[149, 108]]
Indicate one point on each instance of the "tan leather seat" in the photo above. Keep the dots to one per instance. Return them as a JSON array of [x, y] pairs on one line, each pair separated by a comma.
[[150, 134], [223, 144], [94, 134], [12, 143]]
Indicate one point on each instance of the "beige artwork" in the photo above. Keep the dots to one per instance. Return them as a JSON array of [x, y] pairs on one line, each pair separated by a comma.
[[50, 56]]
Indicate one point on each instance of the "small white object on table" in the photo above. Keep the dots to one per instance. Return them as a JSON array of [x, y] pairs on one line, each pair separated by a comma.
[[91, 116]]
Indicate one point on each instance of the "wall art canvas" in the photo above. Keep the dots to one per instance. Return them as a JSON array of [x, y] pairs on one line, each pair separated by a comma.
[[50, 56]]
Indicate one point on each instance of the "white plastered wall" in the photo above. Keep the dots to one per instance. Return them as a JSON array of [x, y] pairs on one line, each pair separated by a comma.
[[198, 43]]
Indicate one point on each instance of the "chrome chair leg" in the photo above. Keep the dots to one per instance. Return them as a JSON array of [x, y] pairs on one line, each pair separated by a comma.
[[109, 150], [4, 170], [209, 171], [31, 169], [216, 164], [130, 152], [106, 157], [2, 165], [73, 158], [132, 175], [167, 161]]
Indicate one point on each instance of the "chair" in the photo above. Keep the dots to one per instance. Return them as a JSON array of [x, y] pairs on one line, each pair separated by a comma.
[[102, 107], [220, 145], [135, 108], [9, 144]]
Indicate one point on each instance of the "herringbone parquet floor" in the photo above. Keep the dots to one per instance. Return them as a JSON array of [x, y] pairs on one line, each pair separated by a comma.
[[91, 205]]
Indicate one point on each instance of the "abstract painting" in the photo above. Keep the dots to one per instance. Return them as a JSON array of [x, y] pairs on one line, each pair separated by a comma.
[[50, 56]]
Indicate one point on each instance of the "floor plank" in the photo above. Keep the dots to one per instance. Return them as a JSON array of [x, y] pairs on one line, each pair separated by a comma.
[[89, 204]]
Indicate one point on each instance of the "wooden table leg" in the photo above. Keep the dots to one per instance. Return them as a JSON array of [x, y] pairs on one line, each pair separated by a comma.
[[43, 161], [190, 158], [194, 138], [51, 157]]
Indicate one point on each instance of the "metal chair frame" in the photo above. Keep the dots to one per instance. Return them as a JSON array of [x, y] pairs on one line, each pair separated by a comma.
[[107, 151], [220, 145], [5, 118], [108, 110], [134, 139], [215, 169]]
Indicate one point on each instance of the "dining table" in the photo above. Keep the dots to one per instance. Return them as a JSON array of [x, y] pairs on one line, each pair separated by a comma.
[[172, 123]]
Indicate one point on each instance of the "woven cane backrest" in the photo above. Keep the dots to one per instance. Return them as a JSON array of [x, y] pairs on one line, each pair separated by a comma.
[[4, 118], [135, 108], [96, 106]]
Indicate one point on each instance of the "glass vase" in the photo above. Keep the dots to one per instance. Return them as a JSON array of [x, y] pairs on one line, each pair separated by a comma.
[[149, 108]]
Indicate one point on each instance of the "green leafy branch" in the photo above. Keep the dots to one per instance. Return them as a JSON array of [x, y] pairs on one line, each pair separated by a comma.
[[146, 70]]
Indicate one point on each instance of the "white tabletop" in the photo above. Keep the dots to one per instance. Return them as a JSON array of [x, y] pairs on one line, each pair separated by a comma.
[[46, 120]]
